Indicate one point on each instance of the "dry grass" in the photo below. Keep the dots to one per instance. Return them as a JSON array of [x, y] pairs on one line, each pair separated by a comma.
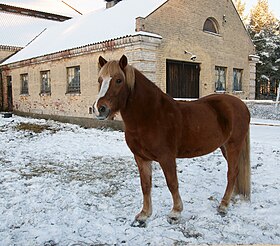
[[34, 128]]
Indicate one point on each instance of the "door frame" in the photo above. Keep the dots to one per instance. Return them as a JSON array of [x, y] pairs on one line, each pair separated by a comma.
[[193, 65]]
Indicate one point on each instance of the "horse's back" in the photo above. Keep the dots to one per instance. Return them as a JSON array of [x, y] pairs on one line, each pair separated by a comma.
[[209, 122]]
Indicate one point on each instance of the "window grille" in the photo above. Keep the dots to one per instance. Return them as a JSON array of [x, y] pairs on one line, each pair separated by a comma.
[[237, 79], [24, 83], [220, 77], [45, 82], [73, 80]]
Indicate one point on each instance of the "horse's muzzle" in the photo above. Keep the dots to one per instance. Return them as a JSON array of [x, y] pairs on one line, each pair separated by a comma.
[[102, 113]]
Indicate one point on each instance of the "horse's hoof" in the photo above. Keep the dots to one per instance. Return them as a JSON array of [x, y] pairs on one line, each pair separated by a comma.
[[222, 210], [139, 223], [174, 218]]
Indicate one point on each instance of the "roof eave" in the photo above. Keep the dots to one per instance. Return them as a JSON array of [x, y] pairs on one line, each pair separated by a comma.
[[86, 49]]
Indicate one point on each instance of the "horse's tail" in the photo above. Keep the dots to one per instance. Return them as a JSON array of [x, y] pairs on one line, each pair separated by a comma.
[[243, 181]]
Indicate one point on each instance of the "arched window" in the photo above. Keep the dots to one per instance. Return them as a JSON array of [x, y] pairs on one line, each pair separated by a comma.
[[211, 25]]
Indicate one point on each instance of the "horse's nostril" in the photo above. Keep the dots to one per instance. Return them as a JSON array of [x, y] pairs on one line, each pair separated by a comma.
[[102, 109]]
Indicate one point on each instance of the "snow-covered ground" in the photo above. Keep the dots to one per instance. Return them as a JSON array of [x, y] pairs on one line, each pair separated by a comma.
[[68, 185]]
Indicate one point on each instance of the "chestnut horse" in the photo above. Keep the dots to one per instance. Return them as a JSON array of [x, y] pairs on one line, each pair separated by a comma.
[[158, 128]]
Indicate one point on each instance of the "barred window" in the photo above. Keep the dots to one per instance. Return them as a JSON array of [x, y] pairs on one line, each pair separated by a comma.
[[45, 82], [24, 83], [237, 79], [220, 77], [73, 80]]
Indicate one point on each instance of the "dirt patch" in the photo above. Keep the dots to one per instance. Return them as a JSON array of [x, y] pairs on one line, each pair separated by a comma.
[[35, 128]]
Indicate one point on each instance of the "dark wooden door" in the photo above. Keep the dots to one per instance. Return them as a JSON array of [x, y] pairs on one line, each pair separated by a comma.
[[9, 93], [182, 79]]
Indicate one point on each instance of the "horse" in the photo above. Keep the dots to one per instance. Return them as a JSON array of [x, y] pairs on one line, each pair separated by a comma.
[[159, 128]]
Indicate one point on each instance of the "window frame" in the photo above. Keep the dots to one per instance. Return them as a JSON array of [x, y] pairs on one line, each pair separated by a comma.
[[223, 84], [73, 87], [45, 90], [239, 83], [24, 89], [213, 23]]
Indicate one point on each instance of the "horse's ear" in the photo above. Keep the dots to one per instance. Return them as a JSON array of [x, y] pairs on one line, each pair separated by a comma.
[[102, 61], [123, 62]]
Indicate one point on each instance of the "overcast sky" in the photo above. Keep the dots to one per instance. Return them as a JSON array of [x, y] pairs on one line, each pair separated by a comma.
[[85, 6]]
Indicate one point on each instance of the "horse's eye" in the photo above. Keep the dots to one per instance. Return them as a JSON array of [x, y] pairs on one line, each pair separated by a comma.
[[118, 81]]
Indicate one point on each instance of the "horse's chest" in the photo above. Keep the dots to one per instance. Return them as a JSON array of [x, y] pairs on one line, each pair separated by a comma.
[[140, 146]]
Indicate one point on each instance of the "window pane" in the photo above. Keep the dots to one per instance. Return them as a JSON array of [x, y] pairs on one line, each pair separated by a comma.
[[45, 82], [210, 26], [237, 79], [220, 74], [73, 79], [24, 83]]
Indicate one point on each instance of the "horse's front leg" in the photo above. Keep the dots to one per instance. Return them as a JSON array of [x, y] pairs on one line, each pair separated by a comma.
[[145, 170], [168, 166]]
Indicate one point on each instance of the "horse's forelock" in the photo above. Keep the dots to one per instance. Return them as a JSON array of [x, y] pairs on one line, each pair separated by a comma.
[[113, 67], [130, 76]]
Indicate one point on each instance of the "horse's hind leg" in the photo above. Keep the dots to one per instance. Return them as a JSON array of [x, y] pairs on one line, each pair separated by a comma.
[[145, 170], [169, 169], [231, 153]]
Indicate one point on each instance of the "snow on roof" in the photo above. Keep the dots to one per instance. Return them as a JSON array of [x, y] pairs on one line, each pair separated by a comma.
[[18, 30], [101, 25], [50, 6]]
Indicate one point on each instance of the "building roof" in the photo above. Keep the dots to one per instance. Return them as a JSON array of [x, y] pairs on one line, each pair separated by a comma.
[[18, 25], [59, 7], [32, 13], [19, 30], [98, 26]]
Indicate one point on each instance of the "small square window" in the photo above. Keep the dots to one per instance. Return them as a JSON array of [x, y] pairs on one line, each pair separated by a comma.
[[237, 79], [73, 80], [220, 78], [24, 84]]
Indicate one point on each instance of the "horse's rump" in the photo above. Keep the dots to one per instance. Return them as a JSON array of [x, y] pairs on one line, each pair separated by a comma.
[[209, 122]]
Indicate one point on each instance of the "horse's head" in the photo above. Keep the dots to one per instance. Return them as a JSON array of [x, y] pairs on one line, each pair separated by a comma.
[[116, 79]]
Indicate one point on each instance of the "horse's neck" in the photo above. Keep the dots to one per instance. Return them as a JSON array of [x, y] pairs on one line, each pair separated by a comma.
[[142, 101]]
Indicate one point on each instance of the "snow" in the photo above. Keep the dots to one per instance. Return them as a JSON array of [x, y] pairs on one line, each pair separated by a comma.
[[57, 6], [97, 26], [15, 29], [73, 186]]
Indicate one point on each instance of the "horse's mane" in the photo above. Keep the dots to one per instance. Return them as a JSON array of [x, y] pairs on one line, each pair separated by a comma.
[[112, 67]]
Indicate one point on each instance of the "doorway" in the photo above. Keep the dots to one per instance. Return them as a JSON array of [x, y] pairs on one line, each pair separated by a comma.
[[182, 79], [9, 93]]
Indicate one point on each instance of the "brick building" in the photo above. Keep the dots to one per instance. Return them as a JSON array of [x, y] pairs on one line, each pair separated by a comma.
[[188, 48]]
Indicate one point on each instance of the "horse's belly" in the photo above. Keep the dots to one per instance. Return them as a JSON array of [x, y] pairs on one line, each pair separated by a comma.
[[200, 145], [194, 152]]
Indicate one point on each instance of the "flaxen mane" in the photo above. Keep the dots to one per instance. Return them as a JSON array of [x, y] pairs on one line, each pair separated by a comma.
[[112, 67]]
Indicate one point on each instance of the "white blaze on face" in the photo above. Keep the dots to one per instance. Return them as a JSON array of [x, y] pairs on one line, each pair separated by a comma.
[[103, 90]]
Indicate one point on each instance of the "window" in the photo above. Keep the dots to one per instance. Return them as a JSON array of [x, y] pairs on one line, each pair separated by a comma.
[[220, 78], [24, 83], [237, 79], [73, 80], [211, 25], [45, 82]]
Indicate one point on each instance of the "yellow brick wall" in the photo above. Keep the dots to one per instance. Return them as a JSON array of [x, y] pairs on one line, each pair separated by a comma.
[[58, 102], [180, 23]]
